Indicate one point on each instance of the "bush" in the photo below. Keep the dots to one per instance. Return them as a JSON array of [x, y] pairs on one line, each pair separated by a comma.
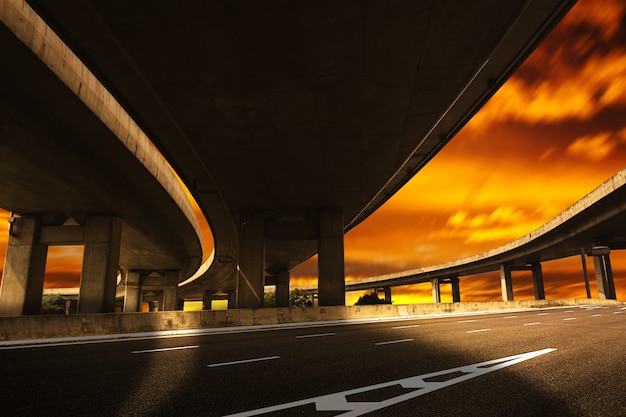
[[52, 304]]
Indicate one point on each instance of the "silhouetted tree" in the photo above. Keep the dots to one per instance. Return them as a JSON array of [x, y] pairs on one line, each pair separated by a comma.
[[370, 299], [297, 298]]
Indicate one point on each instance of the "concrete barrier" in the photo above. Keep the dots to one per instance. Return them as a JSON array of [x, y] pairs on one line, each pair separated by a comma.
[[49, 328]]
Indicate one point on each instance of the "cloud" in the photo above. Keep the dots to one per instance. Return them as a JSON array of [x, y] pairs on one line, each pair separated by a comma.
[[576, 73], [593, 147]]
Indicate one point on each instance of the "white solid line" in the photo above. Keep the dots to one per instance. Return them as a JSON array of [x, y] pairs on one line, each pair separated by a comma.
[[414, 386], [569, 318], [466, 321], [393, 341], [478, 330], [406, 327], [315, 335], [165, 349], [532, 324], [267, 358], [510, 317]]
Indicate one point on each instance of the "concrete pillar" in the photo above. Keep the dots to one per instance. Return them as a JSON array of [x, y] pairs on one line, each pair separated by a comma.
[[604, 272], [331, 276], [251, 268], [387, 294], [282, 288], [585, 273], [232, 300], [132, 292], [24, 269], [506, 282], [170, 290], [456, 289], [100, 263], [436, 290], [540, 293]]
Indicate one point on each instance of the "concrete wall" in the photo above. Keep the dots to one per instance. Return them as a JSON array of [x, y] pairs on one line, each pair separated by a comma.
[[68, 326]]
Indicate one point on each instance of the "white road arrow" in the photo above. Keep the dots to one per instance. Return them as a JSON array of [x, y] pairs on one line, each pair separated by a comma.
[[420, 384]]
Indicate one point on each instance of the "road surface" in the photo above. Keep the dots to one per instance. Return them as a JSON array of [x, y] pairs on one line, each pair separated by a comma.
[[545, 362]]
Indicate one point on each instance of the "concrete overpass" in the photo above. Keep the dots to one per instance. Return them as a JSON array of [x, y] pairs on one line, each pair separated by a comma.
[[593, 226], [290, 122], [76, 170]]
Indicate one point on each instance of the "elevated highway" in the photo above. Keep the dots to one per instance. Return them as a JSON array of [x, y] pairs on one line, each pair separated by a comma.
[[290, 122], [592, 226], [76, 170]]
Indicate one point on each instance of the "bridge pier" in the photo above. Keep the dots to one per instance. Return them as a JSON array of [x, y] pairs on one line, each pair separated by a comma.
[[436, 288], [282, 288], [331, 278], [604, 272], [251, 265], [506, 282], [24, 268], [540, 293], [25, 264], [100, 263], [132, 292]]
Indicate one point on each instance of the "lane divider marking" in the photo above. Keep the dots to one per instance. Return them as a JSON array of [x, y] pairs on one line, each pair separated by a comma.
[[393, 341], [420, 384], [165, 349], [266, 358], [304, 336]]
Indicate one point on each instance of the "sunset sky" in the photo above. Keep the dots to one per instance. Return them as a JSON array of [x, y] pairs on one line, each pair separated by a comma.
[[554, 132]]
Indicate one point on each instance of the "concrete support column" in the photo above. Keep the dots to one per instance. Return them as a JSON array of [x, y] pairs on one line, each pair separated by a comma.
[[24, 269], [436, 290], [170, 290], [387, 294], [100, 263], [232, 300], [540, 293], [331, 280], [456, 289], [506, 282], [604, 272], [251, 270], [132, 295], [282, 288]]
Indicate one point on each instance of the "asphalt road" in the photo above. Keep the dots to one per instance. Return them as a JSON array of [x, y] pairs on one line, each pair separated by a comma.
[[552, 362]]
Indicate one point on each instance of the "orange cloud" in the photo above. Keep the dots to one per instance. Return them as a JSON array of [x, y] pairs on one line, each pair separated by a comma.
[[572, 75]]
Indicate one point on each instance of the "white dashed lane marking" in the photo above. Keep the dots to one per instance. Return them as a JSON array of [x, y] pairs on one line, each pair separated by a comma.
[[477, 330], [165, 349], [532, 324], [410, 326], [391, 342], [266, 358], [304, 336]]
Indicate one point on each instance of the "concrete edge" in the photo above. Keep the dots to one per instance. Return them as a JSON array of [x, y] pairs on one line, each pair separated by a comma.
[[29, 331]]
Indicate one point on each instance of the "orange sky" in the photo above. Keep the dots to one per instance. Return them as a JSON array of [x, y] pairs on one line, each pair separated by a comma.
[[554, 132]]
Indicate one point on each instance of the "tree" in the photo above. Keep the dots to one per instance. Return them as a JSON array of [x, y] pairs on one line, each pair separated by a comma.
[[370, 299], [269, 299], [52, 304], [297, 298]]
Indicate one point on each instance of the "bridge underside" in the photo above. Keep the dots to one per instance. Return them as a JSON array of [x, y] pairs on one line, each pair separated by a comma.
[[290, 122]]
